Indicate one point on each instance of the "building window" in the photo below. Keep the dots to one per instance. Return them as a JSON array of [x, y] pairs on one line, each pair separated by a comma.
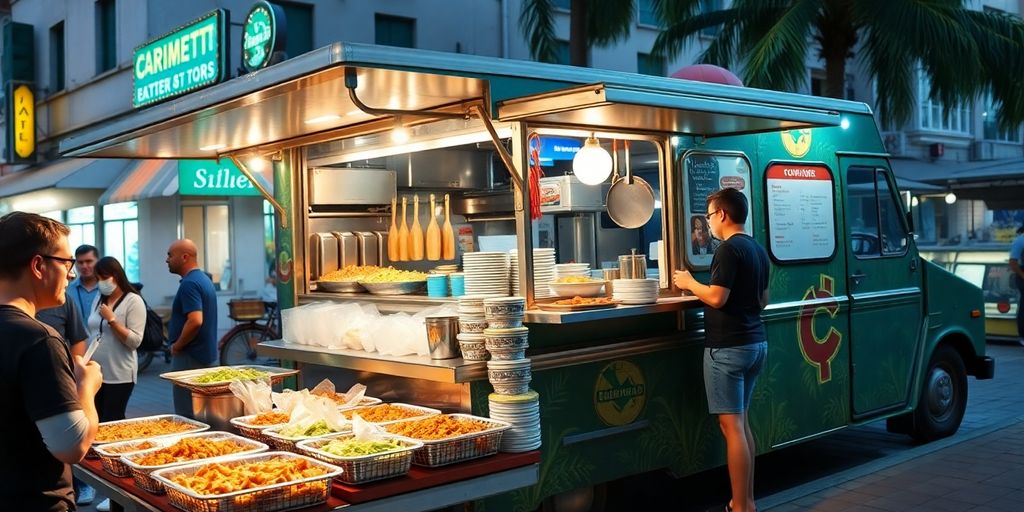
[[300, 27], [645, 14], [209, 226], [647, 64], [564, 5], [931, 111], [56, 215], [57, 57], [562, 52], [395, 31], [990, 125], [106, 32], [707, 6], [82, 223], [121, 236]]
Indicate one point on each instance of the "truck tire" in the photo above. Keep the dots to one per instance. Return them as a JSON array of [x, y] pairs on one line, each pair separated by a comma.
[[943, 396]]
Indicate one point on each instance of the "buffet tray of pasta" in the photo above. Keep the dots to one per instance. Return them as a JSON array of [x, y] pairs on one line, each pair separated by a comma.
[[185, 449], [450, 438], [217, 380], [144, 428], [264, 482]]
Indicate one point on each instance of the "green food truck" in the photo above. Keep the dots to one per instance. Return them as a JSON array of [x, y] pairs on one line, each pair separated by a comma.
[[860, 327]]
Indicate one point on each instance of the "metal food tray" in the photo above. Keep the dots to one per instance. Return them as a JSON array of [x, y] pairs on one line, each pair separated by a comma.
[[364, 468], [282, 496], [441, 452], [184, 378], [340, 286], [253, 431], [112, 462], [425, 412], [198, 427], [285, 443], [142, 474], [395, 288], [365, 401]]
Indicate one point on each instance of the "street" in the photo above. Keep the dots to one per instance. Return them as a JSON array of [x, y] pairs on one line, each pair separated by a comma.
[[860, 468]]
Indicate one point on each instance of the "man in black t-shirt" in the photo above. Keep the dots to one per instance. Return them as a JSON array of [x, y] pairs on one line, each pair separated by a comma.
[[736, 345], [45, 392]]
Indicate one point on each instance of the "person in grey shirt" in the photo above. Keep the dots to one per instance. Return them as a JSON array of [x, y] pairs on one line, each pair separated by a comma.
[[67, 321]]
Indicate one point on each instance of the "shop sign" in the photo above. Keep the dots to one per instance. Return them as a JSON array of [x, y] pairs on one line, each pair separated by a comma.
[[181, 61], [23, 123], [213, 178], [262, 35], [619, 393], [557, 148], [819, 351], [796, 142]]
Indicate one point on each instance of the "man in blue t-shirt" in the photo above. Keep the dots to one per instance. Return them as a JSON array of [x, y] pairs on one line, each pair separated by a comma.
[[193, 326], [1016, 259]]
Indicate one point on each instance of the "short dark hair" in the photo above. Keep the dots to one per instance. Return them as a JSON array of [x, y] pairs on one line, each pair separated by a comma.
[[86, 249], [23, 236], [732, 202], [110, 267]]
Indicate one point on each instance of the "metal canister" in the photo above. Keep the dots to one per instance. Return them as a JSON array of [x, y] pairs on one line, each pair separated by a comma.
[[609, 275], [633, 266], [441, 336]]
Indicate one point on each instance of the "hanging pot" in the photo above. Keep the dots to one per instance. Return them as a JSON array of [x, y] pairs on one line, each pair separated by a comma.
[[630, 200]]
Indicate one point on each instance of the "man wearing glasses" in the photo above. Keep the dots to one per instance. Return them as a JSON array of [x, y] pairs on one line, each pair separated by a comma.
[[736, 343], [45, 392]]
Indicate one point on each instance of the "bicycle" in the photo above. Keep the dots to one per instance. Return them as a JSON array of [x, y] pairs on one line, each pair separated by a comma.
[[238, 346]]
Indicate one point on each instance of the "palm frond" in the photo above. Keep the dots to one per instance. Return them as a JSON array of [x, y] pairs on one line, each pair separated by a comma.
[[537, 21], [1000, 40], [775, 43], [609, 21], [722, 50], [672, 40]]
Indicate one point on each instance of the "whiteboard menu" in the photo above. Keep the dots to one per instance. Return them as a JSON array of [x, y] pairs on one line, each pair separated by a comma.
[[801, 212]]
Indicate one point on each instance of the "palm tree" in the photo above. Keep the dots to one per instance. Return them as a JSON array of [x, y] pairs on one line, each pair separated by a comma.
[[591, 23], [964, 53]]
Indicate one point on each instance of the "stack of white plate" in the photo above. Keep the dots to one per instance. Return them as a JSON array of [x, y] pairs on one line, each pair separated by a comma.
[[486, 273], [543, 271], [523, 412], [572, 270], [635, 291]]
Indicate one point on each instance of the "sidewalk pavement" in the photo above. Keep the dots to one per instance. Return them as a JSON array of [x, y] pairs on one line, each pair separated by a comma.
[[985, 473]]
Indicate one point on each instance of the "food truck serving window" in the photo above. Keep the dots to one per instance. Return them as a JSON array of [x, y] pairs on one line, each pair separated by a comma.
[[801, 212], [874, 214], [704, 174]]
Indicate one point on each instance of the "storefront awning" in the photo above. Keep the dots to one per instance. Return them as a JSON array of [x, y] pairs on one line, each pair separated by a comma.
[[144, 179], [305, 100], [65, 173], [1000, 183]]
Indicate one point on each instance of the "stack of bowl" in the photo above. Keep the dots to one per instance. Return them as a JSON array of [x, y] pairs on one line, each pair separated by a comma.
[[471, 327], [523, 412], [504, 312], [510, 377], [506, 340], [507, 344]]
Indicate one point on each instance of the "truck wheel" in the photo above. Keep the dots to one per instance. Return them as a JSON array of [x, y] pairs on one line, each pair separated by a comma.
[[943, 397]]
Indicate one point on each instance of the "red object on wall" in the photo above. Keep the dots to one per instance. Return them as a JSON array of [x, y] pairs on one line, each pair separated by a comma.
[[938, 149], [708, 73]]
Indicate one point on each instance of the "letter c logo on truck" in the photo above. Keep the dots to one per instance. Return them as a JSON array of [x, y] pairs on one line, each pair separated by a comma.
[[819, 352]]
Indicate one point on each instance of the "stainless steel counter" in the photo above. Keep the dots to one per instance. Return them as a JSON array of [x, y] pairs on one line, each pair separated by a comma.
[[384, 303]]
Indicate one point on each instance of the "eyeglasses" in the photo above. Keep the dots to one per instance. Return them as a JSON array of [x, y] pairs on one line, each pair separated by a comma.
[[69, 263], [709, 215]]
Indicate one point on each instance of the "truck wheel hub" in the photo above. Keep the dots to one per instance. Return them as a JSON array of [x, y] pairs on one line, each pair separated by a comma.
[[940, 392]]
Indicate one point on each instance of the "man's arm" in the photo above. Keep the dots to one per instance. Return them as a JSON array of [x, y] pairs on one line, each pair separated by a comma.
[[193, 322], [75, 329], [712, 295]]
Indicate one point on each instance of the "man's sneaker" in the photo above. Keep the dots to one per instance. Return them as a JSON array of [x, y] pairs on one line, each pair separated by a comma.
[[85, 494], [104, 506]]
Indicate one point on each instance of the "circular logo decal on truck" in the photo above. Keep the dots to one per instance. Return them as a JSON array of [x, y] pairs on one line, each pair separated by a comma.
[[796, 142], [619, 393]]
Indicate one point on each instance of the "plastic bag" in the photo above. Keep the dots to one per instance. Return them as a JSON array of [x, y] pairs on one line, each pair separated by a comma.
[[351, 398], [366, 431], [288, 400], [254, 394]]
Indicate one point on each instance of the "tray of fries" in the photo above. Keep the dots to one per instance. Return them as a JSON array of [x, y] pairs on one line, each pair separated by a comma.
[[220, 486], [340, 399], [247, 426], [384, 414], [287, 443], [364, 468], [452, 449], [194, 380], [133, 429], [110, 454], [142, 473]]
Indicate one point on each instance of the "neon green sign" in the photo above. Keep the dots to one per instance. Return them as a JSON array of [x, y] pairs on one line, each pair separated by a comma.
[[182, 61], [213, 178]]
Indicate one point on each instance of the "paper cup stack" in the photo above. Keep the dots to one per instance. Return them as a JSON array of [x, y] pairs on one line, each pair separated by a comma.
[[471, 328], [635, 291], [486, 273], [523, 412], [543, 271]]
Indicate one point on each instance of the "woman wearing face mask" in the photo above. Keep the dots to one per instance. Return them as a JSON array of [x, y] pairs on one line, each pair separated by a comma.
[[118, 318]]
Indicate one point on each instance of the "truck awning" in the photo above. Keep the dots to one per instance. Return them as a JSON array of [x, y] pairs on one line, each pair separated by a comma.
[[650, 109]]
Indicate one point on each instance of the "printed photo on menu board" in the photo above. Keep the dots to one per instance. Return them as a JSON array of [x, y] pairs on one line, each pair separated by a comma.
[[706, 174], [801, 212]]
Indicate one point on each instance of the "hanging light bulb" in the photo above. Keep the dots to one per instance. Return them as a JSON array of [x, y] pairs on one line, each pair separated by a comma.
[[399, 134], [950, 198], [592, 163]]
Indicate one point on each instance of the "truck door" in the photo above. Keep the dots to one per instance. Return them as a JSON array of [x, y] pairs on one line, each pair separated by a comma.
[[884, 286]]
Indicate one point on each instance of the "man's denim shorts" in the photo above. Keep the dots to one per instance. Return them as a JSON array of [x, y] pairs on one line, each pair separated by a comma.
[[730, 374]]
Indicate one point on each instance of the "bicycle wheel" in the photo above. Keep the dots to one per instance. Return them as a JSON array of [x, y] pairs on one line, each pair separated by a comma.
[[240, 348], [144, 359]]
